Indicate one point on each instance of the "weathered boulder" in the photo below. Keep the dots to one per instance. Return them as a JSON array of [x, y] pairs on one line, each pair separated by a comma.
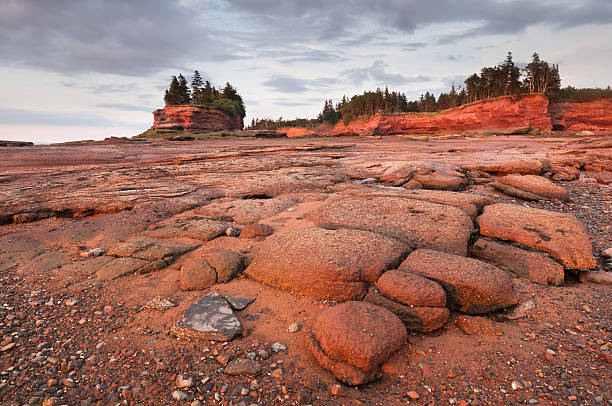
[[334, 264], [507, 166], [420, 224], [119, 267], [411, 289], [560, 235], [441, 180], [537, 185], [197, 275], [526, 264], [415, 318], [471, 286], [216, 265], [44, 262], [471, 204], [352, 339], [256, 230], [210, 318]]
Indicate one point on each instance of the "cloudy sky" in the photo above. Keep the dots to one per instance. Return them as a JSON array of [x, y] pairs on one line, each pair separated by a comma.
[[88, 69]]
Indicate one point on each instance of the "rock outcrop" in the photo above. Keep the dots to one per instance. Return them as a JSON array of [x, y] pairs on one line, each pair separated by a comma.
[[193, 119], [504, 114], [594, 116]]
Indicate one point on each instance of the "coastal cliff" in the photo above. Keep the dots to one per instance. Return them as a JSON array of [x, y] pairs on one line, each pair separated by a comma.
[[194, 119]]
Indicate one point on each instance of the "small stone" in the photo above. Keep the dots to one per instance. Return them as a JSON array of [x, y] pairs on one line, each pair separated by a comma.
[[336, 390], [521, 310], [223, 359], [95, 252], [607, 252], [50, 401], [294, 328], [413, 395], [242, 366], [533, 401], [551, 352], [7, 347], [600, 399], [233, 232], [251, 355], [196, 403], [263, 354], [516, 385], [277, 347], [277, 373], [184, 381], [572, 398], [179, 395], [72, 301], [304, 397], [69, 382]]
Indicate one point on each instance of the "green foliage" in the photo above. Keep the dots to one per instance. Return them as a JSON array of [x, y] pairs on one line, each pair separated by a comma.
[[269, 124], [228, 100], [572, 94]]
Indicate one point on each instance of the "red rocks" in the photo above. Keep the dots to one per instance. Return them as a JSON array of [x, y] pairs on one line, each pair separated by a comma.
[[352, 339], [542, 188], [193, 119], [418, 223], [411, 289], [471, 286], [331, 264], [256, 230], [561, 236], [593, 116], [535, 266], [504, 114]]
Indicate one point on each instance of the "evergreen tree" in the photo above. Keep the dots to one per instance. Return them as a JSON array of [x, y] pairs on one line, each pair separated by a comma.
[[183, 91], [207, 93], [172, 94], [196, 88]]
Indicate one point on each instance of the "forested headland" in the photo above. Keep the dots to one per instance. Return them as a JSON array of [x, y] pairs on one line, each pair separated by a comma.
[[202, 93], [504, 79]]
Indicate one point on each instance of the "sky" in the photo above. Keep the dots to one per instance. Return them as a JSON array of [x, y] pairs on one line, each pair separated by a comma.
[[89, 69]]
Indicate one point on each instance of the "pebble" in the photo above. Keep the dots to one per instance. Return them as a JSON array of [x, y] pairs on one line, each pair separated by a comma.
[[233, 232], [184, 381], [304, 397], [277, 373], [533, 401], [277, 347], [413, 395], [251, 355], [223, 359], [50, 401], [179, 395], [607, 252], [242, 366], [263, 354], [599, 399], [516, 385], [196, 403], [336, 390], [294, 328]]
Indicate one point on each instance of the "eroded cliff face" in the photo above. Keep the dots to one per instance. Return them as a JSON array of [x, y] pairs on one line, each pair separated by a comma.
[[503, 114], [593, 116], [194, 119]]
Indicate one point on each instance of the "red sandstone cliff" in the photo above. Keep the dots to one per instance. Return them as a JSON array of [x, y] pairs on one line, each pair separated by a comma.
[[502, 114], [593, 116], [194, 119]]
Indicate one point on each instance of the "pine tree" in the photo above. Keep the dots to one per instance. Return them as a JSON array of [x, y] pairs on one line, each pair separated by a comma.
[[196, 88], [172, 94], [207, 93], [183, 96]]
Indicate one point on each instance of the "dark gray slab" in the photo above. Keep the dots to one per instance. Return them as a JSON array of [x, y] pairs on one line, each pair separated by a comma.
[[239, 303], [210, 318]]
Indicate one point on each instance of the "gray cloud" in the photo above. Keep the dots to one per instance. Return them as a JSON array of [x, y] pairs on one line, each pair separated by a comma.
[[54, 118], [124, 107], [104, 87], [377, 73], [290, 84]]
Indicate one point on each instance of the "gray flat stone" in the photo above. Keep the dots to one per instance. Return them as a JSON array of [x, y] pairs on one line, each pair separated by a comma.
[[210, 318], [239, 303]]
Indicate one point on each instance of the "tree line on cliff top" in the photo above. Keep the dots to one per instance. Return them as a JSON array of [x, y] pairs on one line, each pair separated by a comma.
[[505, 79], [202, 93]]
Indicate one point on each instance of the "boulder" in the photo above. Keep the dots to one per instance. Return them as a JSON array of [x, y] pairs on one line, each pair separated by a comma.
[[333, 264], [420, 224], [411, 289], [352, 339], [197, 275], [525, 264], [471, 286], [226, 263], [256, 230], [507, 166], [441, 180], [44, 262], [415, 318], [210, 318], [537, 185], [560, 235]]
